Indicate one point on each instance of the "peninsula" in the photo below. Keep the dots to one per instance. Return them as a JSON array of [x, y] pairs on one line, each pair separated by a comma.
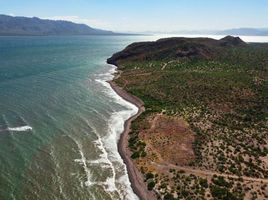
[[202, 129]]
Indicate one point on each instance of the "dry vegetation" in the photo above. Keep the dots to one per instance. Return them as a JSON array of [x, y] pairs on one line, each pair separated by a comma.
[[204, 134]]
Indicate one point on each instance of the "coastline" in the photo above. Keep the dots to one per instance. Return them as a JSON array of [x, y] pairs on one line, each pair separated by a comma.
[[136, 178]]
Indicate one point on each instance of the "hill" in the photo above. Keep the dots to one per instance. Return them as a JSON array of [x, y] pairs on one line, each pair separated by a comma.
[[12, 26], [204, 131], [174, 48]]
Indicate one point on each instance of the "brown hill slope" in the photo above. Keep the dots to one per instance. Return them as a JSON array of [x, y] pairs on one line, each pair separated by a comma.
[[175, 48]]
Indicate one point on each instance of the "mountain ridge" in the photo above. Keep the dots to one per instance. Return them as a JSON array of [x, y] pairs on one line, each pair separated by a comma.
[[245, 31], [34, 26]]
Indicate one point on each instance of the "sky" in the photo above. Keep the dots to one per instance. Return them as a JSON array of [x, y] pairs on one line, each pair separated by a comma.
[[147, 15]]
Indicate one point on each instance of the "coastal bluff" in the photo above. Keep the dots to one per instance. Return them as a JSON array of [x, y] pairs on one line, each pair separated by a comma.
[[175, 48]]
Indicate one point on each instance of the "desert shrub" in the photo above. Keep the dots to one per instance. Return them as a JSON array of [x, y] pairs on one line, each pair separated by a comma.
[[151, 185], [169, 196], [220, 181], [135, 155], [149, 175], [203, 183], [221, 193]]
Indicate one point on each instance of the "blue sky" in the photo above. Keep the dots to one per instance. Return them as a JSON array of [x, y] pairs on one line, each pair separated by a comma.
[[147, 15]]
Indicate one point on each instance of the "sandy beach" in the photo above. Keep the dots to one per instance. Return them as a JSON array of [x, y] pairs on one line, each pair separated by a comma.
[[136, 178]]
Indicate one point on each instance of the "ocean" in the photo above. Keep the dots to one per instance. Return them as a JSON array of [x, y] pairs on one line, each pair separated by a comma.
[[60, 120]]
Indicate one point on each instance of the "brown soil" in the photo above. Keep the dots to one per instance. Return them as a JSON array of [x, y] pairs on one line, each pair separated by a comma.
[[170, 138]]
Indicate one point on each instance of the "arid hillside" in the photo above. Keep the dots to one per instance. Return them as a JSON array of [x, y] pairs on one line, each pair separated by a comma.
[[204, 134]]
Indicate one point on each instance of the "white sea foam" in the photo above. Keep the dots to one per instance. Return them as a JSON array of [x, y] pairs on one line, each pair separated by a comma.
[[109, 184], [116, 127], [20, 128], [108, 75], [110, 181], [83, 162]]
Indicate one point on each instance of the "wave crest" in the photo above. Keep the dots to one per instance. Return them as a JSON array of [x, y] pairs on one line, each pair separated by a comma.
[[20, 128]]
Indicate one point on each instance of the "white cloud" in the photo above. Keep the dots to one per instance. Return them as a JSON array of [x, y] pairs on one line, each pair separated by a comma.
[[73, 18]]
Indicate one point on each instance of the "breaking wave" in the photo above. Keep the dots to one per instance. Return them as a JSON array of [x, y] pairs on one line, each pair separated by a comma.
[[20, 129]]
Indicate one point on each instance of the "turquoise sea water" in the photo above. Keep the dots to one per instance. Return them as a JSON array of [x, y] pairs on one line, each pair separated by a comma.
[[60, 120]]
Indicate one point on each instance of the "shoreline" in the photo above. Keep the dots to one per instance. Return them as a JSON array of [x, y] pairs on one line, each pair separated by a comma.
[[136, 178]]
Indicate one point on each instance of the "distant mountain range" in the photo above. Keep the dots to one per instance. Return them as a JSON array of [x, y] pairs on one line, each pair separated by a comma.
[[245, 31], [12, 26], [236, 32]]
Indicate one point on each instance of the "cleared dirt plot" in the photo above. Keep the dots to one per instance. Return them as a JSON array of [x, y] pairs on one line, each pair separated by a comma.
[[170, 138]]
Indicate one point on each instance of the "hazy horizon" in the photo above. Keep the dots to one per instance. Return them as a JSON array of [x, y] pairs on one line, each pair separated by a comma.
[[147, 16]]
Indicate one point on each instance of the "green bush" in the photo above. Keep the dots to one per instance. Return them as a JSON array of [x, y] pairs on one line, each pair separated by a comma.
[[221, 193], [220, 181], [149, 175], [151, 185], [169, 196], [203, 183], [135, 155]]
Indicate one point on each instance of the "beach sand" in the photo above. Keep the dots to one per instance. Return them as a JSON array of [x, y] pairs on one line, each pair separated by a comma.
[[136, 178]]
